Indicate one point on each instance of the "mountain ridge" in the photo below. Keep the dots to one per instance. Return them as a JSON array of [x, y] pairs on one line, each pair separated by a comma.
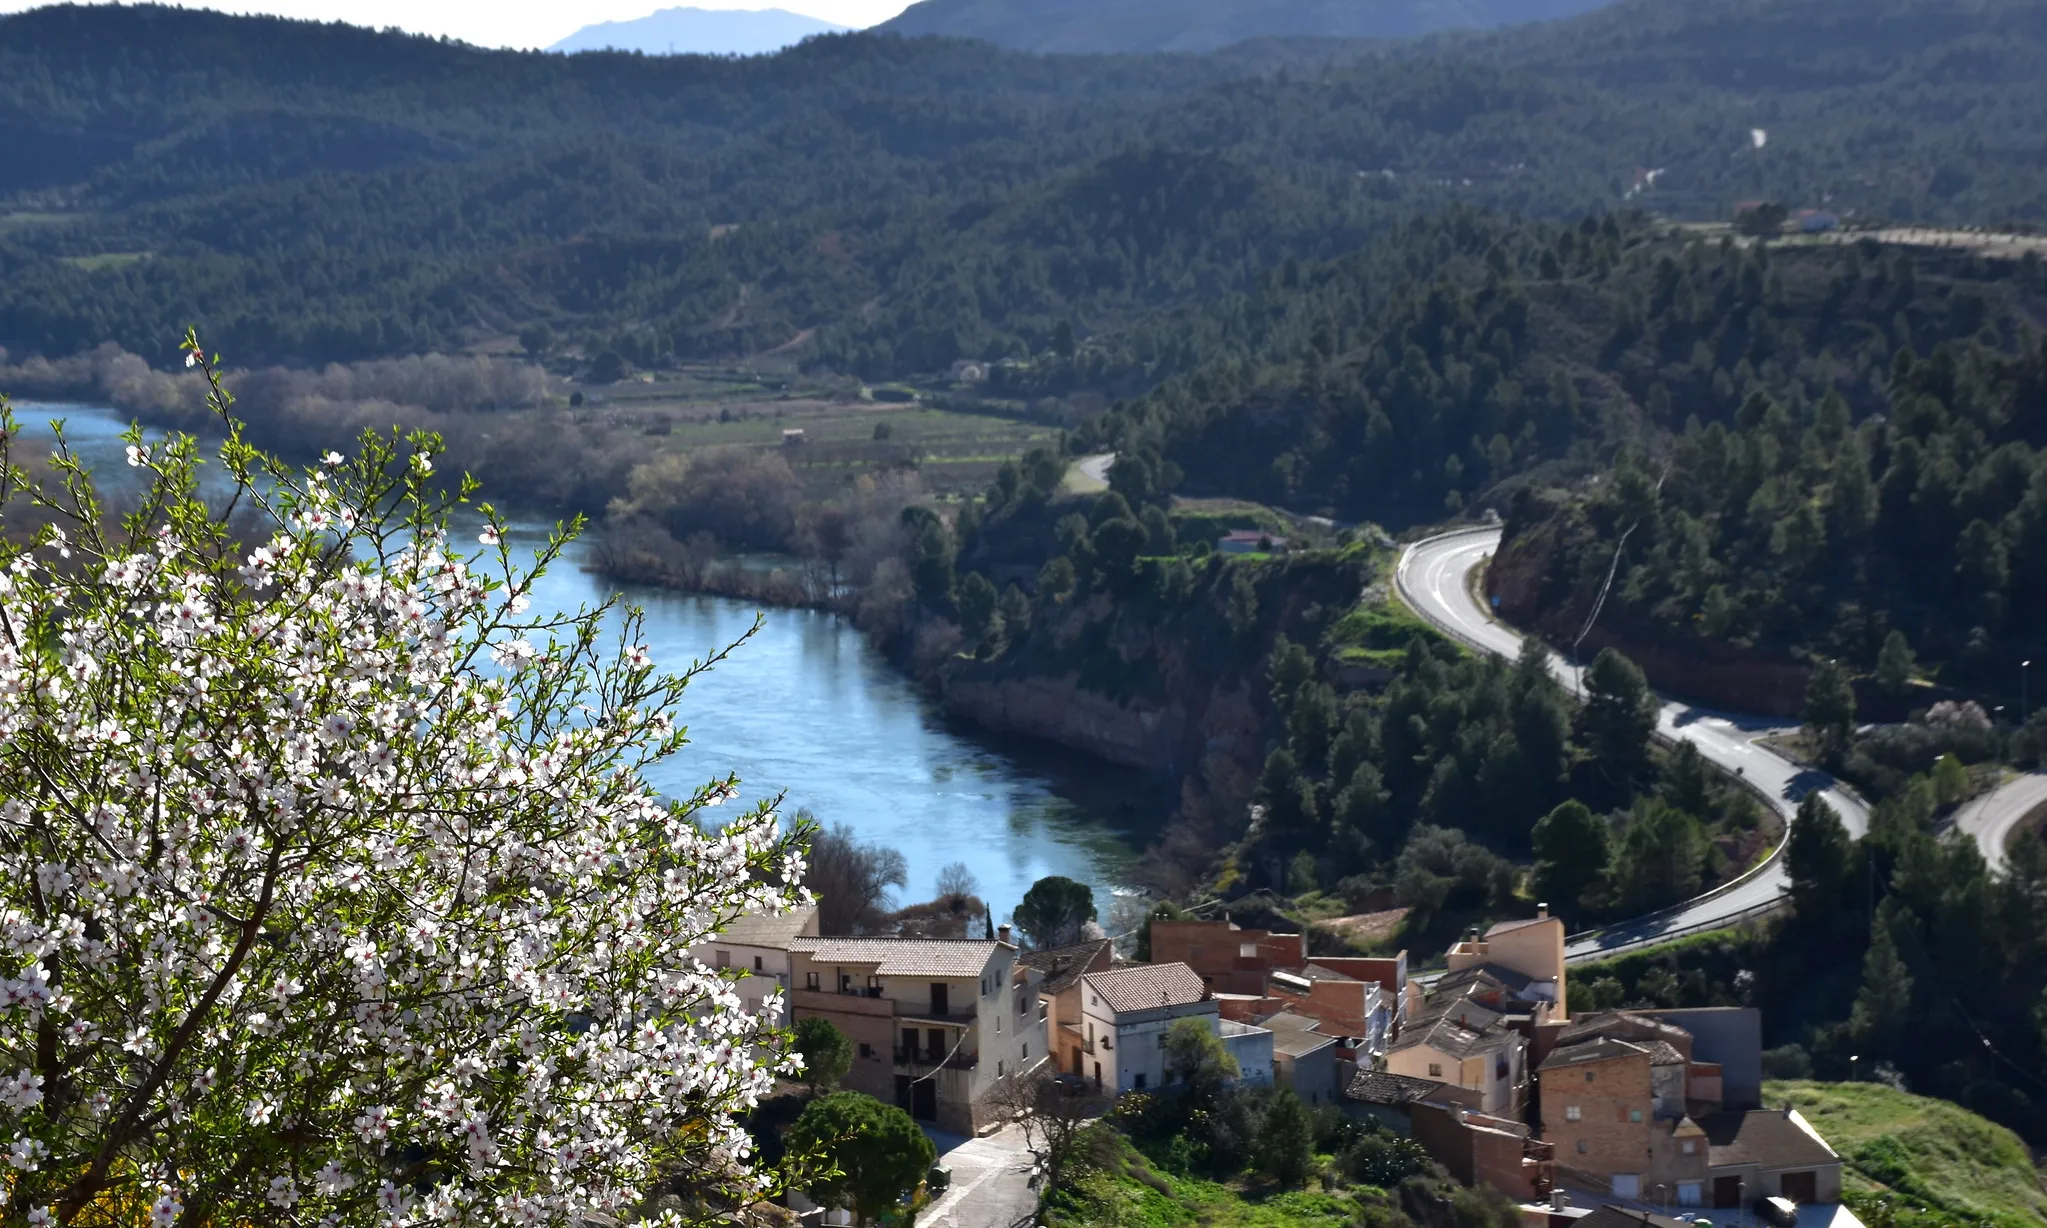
[[688, 30], [1199, 26]]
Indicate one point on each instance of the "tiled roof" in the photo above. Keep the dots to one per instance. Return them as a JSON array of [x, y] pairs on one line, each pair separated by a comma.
[[1604, 1049], [1446, 1035], [1490, 975], [1772, 1138], [1380, 1087], [1663, 1053], [1617, 1023], [1063, 966], [1148, 987], [946, 957], [772, 932]]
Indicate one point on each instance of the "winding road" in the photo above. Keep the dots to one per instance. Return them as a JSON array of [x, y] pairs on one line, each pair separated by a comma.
[[1436, 578]]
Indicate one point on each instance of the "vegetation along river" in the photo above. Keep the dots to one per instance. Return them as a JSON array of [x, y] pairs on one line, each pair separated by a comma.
[[808, 707]]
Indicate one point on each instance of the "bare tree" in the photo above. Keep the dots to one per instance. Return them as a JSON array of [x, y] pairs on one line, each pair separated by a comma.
[[957, 880], [1054, 1114], [851, 879]]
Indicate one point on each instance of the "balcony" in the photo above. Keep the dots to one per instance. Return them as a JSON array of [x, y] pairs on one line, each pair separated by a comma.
[[922, 1013], [924, 1059]]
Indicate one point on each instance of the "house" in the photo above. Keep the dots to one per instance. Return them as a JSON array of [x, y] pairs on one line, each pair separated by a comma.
[[937, 1024], [1465, 1044], [1060, 970], [1389, 1099], [792, 437], [1358, 998], [1615, 1112], [758, 945], [1303, 1058], [1124, 1016], [1532, 949], [1251, 1048], [1768, 1153], [1479, 1147]]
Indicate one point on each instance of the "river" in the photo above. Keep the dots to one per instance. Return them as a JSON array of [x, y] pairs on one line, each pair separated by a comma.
[[809, 709]]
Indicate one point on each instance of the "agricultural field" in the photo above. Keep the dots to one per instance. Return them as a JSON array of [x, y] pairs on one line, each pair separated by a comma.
[[957, 451]]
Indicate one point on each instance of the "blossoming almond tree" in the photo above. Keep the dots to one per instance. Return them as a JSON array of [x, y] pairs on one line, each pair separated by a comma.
[[331, 887]]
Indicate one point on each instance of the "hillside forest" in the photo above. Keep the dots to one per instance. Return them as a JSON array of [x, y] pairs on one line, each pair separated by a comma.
[[1730, 313]]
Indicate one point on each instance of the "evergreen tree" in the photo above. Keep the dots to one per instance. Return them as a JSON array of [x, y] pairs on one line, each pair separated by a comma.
[[1619, 715], [1894, 664], [1819, 857], [1571, 855], [1885, 1001], [1829, 710], [1687, 781], [977, 601], [1662, 855], [1286, 1140]]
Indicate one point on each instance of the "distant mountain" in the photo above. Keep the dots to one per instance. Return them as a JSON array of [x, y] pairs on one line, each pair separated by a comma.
[[691, 31], [1206, 25]]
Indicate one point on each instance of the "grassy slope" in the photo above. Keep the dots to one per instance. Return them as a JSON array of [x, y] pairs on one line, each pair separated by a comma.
[[1129, 1193], [1926, 1152]]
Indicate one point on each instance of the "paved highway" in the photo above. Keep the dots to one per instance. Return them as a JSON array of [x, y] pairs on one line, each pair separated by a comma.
[[1435, 577], [1993, 818]]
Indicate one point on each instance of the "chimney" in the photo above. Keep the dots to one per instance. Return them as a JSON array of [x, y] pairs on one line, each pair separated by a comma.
[[1542, 912], [1558, 1200], [1002, 932]]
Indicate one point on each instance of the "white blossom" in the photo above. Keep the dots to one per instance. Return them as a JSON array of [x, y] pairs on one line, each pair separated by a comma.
[[319, 849]]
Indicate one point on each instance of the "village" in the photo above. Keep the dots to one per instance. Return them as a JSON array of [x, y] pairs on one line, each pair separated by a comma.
[[1594, 1119]]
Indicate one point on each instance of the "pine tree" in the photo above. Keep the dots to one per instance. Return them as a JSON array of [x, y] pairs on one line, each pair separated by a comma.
[[1885, 1000], [1894, 664], [1830, 709], [1571, 855], [1820, 859], [1619, 714]]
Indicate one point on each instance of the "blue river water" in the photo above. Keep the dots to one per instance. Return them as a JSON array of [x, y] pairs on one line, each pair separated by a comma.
[[808, 708]]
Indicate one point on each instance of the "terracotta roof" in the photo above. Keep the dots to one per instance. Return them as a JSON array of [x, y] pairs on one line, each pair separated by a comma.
[[1772, 1138], [1482, 974], [1586, 1052], [762, 930], [1063, 966], [1663, 1053], [1147, 987], [946, 957], [1380, 1087]]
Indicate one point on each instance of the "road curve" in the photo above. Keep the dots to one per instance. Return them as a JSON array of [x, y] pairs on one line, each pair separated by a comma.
[[1992, 820], [1435, 578]]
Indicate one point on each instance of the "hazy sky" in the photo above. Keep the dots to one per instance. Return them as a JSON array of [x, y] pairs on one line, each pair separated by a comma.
[[520, 23]]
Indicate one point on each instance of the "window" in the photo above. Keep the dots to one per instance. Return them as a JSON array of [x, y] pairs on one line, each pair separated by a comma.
[[1588, 1076], [810, 980], [757, 965], [1581, 1146], [866, 1050], [998, 1025], [722, 959], [1140, 1080], [1635, 1115], [1247, 950], [998, 1070], [1042, 1008], [1026, 1054], [1435, 1070], [1572, 1113], [1690, 1149]]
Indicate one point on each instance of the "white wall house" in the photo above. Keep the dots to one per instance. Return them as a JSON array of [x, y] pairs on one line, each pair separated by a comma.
[[759, 947], [1124, 1018]]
